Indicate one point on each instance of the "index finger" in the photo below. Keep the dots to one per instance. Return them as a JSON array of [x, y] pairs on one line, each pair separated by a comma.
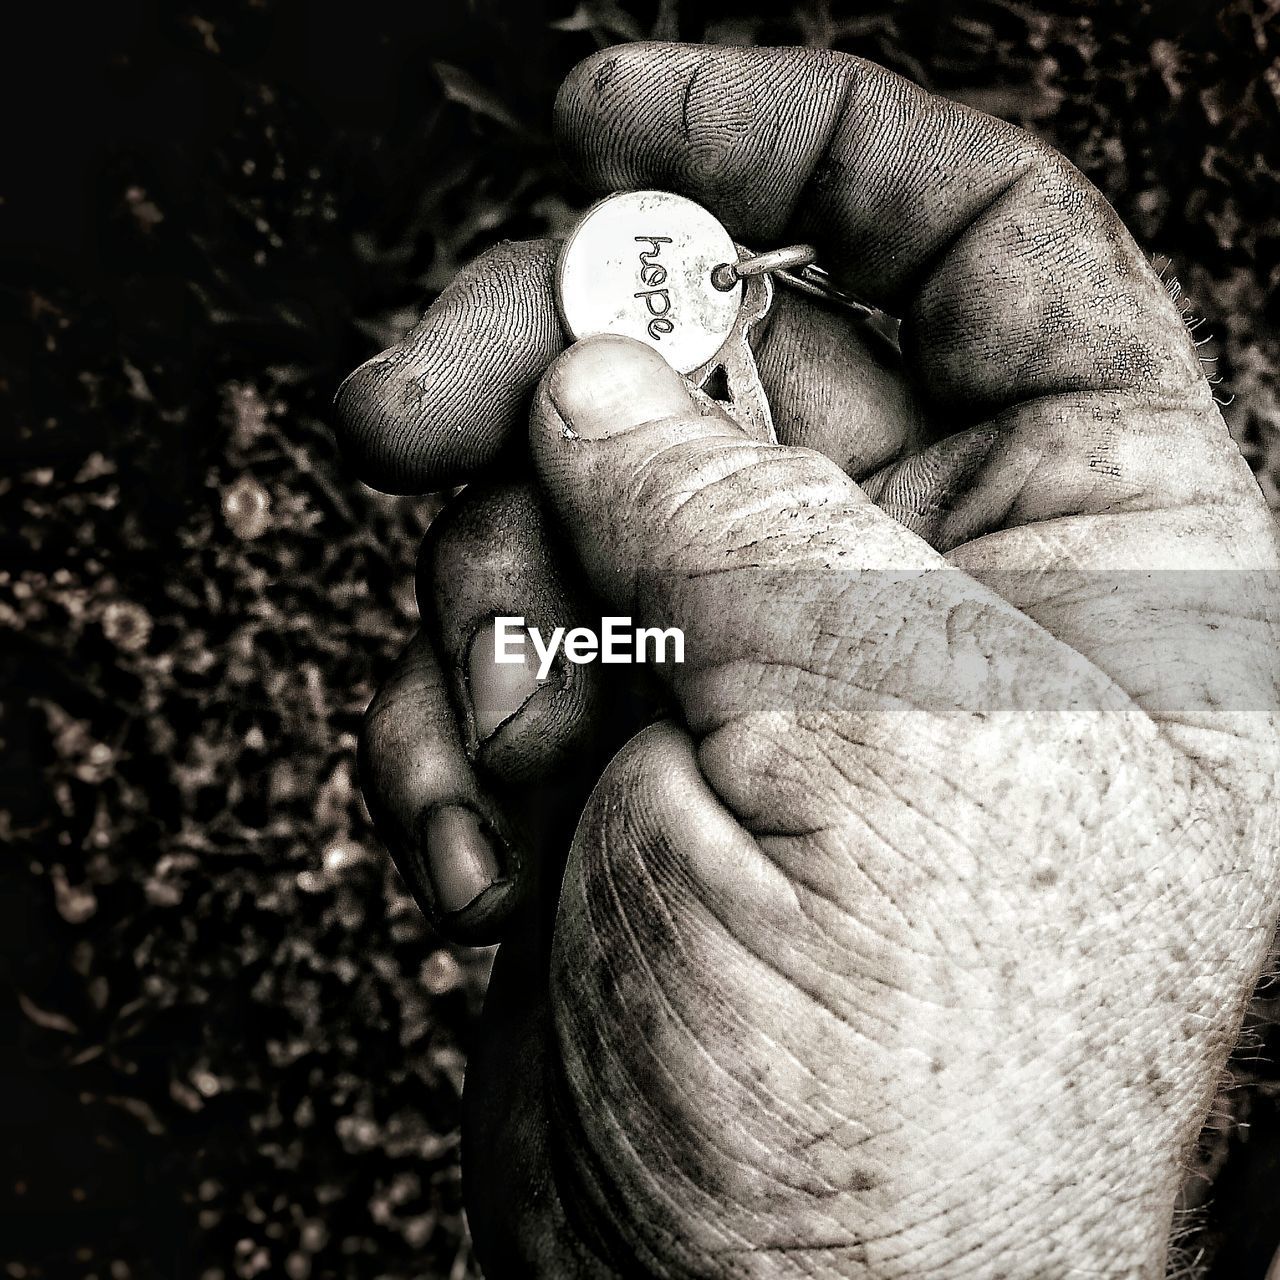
[[1014, 277]]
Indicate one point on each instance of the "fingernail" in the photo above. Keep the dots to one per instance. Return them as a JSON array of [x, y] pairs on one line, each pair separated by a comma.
[[604, 386], [460, 857], [498, 690]]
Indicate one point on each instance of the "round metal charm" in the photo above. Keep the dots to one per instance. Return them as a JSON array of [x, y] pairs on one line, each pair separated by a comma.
[[640, 264]]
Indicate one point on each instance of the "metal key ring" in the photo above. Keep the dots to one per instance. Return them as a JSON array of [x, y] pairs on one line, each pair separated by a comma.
[[727, 274], [794, 265]]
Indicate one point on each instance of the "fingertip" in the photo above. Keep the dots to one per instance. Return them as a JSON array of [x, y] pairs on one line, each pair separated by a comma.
[[738, 129], [458, 858], [367, 423], [466, 877], [446, 402], [606, 385], [405, 423], [492, 555], [588, 82], [471, 873]]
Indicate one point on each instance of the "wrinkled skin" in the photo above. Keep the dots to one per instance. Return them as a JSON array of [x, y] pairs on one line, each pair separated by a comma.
[[911, 938]]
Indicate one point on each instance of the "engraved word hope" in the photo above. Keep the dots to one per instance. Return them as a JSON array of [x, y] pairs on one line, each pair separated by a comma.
[[654, 275]]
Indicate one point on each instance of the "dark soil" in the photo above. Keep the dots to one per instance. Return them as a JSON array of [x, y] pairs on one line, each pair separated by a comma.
[[228, 1044]]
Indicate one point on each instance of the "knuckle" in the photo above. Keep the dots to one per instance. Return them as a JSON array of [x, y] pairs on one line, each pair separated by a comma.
[[492, 528], [372, 738]]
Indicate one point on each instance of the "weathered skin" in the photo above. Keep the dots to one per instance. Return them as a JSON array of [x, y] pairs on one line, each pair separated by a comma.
[[914, 942]]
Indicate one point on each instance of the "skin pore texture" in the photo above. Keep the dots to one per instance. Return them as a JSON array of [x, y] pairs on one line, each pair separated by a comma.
[[905, 928]]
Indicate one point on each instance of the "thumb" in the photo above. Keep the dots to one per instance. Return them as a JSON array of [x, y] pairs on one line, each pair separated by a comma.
[[681, 519]]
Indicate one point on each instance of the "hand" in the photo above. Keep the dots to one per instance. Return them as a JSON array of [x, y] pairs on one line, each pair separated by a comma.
[[913, 942]]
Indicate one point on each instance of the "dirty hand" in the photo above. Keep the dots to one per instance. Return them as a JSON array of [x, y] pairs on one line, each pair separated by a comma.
[[912, 942]]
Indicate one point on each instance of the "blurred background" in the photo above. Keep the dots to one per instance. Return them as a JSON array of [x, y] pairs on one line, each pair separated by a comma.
[[229, 1047]]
